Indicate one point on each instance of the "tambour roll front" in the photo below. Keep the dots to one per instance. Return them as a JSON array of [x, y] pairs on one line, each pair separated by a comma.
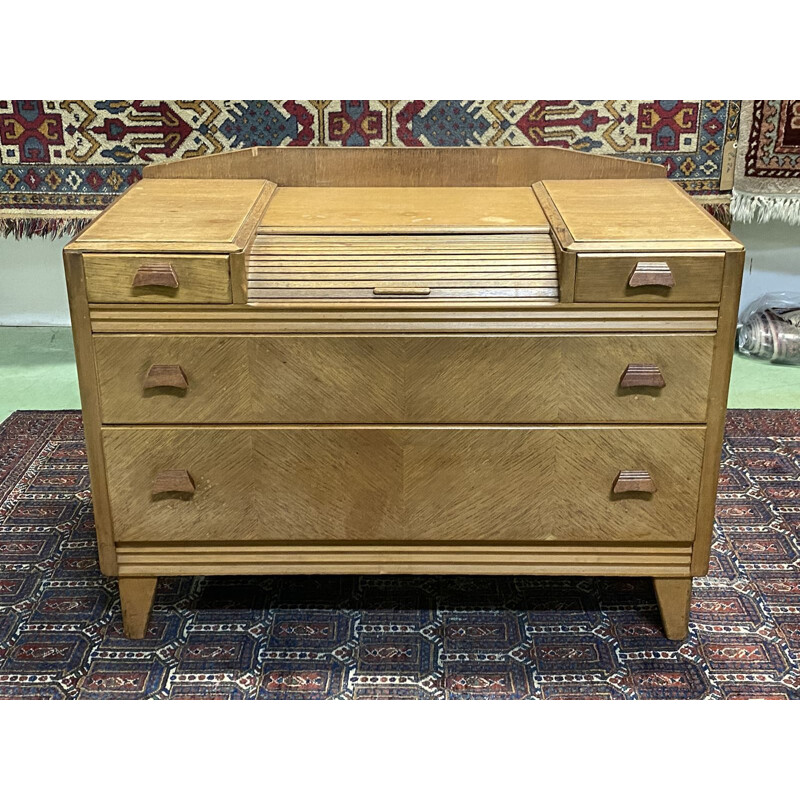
[[449, 361]]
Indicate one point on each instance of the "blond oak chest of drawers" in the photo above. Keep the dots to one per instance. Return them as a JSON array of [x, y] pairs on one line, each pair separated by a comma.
[[508, 361]]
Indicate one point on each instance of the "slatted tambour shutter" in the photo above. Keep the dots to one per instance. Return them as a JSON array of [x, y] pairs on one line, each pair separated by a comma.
[[341, 266]]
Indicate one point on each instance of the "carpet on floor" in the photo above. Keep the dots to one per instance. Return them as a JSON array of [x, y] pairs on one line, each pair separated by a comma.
[[396, 637]]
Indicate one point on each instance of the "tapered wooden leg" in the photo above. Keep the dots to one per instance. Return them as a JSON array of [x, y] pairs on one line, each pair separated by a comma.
[[136, 596], [674, 597]]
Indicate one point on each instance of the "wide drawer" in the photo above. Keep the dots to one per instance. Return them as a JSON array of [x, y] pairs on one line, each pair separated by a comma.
[[649, 277], [156, 278], [402, 483], [385, 379]]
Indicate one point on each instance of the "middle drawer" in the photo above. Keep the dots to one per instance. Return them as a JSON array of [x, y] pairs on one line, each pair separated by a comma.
[[385, 379]]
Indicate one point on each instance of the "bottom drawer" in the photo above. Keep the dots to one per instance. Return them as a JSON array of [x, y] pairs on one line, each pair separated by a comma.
[[476, 484]]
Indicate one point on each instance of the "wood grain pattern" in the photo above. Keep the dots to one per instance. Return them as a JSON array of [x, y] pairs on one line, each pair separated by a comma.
[[632, 211], [404, 209], [427, 379], [642, 375], [285, 267], [173, 215], [633, 481], [696, 278], [119, 278], [162, 376], [403, 166], [90, 405], [651, 273], [394, 484], [541, 558], [136, 598], [389, 316], [717, 404], [674, 597], [149, 274], [168, 481]]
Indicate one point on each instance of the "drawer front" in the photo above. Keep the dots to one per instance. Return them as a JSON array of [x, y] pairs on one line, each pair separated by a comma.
[[402, 484], [385, 379], [608, 278], [157, 279]]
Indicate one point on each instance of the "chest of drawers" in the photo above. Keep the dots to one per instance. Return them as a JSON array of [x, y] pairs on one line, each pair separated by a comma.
[[404, 362]]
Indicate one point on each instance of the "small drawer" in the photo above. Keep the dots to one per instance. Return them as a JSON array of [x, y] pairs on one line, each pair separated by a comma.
[[157, 278], [649, 278]]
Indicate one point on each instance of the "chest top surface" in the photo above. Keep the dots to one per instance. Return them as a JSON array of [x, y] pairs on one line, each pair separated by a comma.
[[405, 209]]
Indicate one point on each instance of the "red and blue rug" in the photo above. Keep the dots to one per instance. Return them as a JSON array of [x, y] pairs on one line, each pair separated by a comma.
[[396, 637]]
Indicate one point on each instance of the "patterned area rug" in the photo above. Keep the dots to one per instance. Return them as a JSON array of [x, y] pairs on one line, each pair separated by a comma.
[[384, 637], [767, 179], [63, 161]]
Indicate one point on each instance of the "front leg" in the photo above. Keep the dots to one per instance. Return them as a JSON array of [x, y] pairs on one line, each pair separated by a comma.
[[136, 597], [674, 597]]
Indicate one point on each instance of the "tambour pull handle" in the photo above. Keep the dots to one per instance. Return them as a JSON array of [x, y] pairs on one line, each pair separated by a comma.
[[388, 290], [651, 273], [165, 375], [173, 480], [155, 275], [642, 375], [633, 481]]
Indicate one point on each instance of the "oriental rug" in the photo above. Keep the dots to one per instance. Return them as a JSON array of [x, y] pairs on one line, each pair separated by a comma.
[[767, 176], [347, 637], [63, 161]]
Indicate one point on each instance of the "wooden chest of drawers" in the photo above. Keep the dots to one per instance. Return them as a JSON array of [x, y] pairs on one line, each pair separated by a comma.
[[404, 362]]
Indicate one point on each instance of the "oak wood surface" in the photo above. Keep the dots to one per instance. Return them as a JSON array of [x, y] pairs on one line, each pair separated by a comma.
[[674, 597], [540, 558], [283, 267], [394, 484], [695, 278], [112, 278], [717, 404], [178, 216], [406, 209], [90, 405], [136, 598], [632, 211], [386, 316], [401, 166], [382, 379]]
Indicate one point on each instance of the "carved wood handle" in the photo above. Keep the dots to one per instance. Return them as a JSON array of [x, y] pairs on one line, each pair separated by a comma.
[[633, 481], [165, 375], [155, 275], [401, 290], [642, 375], [173, 480], [651, 273]]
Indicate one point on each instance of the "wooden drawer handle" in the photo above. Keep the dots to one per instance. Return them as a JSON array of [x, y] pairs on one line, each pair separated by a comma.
[[642, 375], [173, 480], [155, 275], [401, 290], [633, 481], [161, 375], [651, 273]]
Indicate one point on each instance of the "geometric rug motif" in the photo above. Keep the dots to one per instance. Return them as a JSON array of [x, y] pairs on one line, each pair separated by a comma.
[[767, 175], [351, 637], [63, 161]]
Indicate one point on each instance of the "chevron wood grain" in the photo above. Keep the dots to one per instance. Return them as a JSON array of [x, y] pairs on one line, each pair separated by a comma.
[[404, 362], [386, 484], [384, 379]]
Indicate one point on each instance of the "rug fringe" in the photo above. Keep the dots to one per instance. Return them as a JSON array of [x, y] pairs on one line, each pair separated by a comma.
[[719, 209], [46, 227], [747, 207]]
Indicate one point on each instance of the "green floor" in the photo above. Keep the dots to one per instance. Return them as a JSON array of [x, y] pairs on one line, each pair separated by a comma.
[[37, 370]]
